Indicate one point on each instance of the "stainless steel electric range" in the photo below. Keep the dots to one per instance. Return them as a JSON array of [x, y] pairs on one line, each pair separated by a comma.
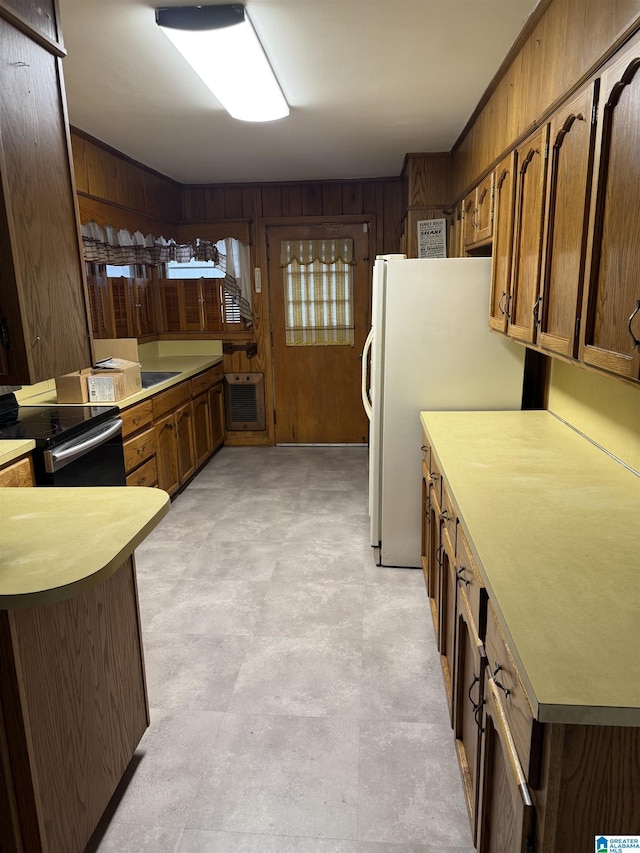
[[75, 445]]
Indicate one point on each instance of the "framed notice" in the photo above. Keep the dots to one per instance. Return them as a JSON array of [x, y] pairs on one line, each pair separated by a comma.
[[432, 238]]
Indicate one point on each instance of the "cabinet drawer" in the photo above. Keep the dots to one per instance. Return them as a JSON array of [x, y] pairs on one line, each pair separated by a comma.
[[469, 579], [18, 474], [136, 418], [145, 475], [527, 732], [171, 399], [204, 381], [139, 448]]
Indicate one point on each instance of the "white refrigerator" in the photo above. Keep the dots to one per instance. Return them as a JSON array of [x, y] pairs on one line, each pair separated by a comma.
[[429, 348]]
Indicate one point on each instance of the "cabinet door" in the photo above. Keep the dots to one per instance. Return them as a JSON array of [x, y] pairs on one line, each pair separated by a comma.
[[101, 307], [42, 289], [503, 204], [170, 301], [167, 454], [216, 409], [446, 601], [202, 429], [611, 317], [468, 679], [484, 209], [424, 528], [122, 298], [527, 252], [469, 219], [185, 442], [572, 135], [143, 314], [211, 304], [192, 309], [506, 813]]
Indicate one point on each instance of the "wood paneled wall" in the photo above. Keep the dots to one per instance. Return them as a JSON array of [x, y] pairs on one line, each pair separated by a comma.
[[115, 190], [569, 39], [253, 202]]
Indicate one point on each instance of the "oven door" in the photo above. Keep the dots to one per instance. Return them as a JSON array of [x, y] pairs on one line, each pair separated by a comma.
[[95, 458]]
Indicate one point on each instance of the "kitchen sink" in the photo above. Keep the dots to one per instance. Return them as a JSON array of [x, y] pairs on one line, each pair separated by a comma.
[[150, 378]]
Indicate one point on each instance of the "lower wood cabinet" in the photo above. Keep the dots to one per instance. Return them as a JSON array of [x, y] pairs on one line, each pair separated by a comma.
[[167, 454], [185, 442], [506, 817], [530, 786], [17, 474], [140, 445], [73, 707], [186, 425]]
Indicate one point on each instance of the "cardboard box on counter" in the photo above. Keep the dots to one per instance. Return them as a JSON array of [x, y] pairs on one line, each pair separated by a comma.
[[126, 348], [72, 387], [113, 379]]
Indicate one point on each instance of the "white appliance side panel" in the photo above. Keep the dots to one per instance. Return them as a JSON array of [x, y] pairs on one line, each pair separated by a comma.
[[439, 355], [377, 392]]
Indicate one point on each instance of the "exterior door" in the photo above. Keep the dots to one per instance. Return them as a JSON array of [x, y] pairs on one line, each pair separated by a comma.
[[317, 344]]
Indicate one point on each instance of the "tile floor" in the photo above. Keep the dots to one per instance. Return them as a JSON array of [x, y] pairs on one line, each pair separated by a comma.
[[297, 703]]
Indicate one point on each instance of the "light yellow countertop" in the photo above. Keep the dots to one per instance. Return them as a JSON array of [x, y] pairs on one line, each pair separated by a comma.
[[55, 543], [12, 449], [554, 523], [185, 365]]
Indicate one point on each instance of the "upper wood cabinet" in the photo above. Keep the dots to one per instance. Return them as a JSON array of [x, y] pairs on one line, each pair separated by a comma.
[[531, 158], [477, 213], [611, 316], [191, 305], [572, 135], [504, 197], [43, 310]]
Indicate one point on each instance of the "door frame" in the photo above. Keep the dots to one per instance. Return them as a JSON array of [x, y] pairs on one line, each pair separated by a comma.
[[262, 263]]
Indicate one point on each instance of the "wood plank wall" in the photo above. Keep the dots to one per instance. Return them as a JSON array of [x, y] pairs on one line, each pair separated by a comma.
[[568, 41], [114, 190]]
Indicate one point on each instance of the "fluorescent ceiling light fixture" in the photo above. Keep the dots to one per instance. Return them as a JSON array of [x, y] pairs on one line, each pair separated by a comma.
[[221, 46]]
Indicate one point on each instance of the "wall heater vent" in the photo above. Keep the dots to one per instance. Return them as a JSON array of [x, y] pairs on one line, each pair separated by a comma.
[[244, 401]]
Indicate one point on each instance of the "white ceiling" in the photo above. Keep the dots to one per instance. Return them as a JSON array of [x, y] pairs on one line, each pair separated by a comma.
[[367, 82]]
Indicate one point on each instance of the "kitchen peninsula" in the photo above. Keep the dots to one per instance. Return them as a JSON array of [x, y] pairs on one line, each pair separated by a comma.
[[531, 565], [73, 701]]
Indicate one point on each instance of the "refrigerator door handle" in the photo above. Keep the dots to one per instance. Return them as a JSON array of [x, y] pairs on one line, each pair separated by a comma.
[[366, 402]]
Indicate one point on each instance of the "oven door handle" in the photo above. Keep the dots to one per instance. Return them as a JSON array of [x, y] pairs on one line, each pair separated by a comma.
[[57, 458]]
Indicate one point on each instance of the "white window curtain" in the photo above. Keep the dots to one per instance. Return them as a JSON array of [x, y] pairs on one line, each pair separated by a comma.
[[318, 292], [107, 245], [237, 269]]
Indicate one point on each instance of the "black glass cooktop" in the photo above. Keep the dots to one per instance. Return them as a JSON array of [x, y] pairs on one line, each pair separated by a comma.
[[50, 425]]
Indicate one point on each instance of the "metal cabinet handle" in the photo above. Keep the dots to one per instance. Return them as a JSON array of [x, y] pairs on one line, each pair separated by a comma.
[[500, 306], [476, 716], [636, 342], [475, 681], [498, 669], [536, 311], [506, 307], [459, 574]]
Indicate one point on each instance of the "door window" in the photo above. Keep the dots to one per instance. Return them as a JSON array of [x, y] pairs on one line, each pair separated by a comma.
[[318, 292]]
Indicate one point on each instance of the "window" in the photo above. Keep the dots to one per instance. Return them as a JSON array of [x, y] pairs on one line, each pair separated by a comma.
[[318, 292]]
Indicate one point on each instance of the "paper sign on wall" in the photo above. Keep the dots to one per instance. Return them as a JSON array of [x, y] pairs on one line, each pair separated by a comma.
[[432, 238]]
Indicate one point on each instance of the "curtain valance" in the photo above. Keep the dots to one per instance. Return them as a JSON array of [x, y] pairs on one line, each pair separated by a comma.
[[107, 245], [306, 252]]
